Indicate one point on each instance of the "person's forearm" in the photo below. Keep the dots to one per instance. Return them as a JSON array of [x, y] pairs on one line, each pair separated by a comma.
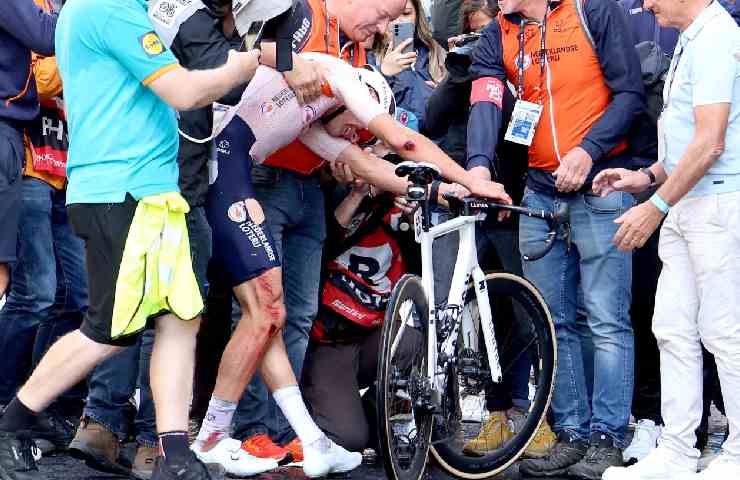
[[480, 172], [697, 159], [347, 209], [211, 85], [659, 171], [373, 170], [413, 146]]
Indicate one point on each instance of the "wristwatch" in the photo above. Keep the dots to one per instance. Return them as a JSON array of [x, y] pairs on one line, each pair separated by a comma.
[[650, 175]]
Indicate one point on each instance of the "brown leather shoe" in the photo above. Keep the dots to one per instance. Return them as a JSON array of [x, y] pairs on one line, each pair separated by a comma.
[[97, 447], [143, 467]]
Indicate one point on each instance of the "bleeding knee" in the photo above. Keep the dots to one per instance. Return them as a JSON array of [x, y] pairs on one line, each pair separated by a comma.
[[270, 303]]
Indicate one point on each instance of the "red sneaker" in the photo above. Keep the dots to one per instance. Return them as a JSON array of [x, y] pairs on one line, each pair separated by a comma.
[[295, 448], [262, 446]]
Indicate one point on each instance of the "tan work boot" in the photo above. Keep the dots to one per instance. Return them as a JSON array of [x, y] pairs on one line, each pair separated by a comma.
[[492, 435], [144, 461], [543, 440], [98, 447], [542, 443]]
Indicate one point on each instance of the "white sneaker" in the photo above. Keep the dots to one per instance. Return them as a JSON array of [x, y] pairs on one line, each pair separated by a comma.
[[318, 462], [644, 441], [660, 464], [474, 409], [723, 467], [229, 454]]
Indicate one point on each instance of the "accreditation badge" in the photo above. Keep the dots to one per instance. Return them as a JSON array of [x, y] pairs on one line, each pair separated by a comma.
[[524, 120]]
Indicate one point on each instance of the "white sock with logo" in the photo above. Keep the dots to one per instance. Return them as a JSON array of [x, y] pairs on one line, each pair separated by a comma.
[[291, 403], [217, 422]]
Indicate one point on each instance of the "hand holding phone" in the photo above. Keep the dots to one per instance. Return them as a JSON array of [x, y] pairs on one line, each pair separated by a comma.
[[402, 32]]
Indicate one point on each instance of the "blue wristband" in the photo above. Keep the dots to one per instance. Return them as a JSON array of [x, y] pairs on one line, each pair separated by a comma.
[[660, 204]]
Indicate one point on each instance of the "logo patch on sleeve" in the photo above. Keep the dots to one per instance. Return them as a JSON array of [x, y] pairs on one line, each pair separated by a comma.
[[487, 89], [151, 44]]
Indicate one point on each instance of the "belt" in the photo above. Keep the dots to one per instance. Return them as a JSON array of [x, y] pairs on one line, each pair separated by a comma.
[[712, 184]]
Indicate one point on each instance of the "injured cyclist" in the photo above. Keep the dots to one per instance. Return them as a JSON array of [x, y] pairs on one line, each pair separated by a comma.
[[357, 105]]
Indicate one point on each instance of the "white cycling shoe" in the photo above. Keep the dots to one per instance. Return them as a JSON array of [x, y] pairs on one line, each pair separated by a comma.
[[334, 459], [229, 454]]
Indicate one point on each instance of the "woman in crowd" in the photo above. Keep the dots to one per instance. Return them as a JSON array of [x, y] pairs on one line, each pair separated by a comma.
[[412, 75]]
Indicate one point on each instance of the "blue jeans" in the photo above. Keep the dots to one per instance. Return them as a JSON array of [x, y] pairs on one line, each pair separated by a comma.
[[48, 293], [294, 211], [114, 381], [605, 277]]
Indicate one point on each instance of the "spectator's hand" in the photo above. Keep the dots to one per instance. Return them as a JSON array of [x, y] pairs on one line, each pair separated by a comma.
[[431, 84], [304, 79], [573, 170], [488, 189], [454, 189], [395, 61], [342, 173], [636, 226], [407, 207], [452, 41], [619, 180]]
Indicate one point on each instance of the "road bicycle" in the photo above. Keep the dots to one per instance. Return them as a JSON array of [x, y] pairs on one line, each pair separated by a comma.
[[441, 364]]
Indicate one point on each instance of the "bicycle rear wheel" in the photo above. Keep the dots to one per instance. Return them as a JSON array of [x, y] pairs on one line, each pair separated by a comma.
[[524, 333], [404, 426]]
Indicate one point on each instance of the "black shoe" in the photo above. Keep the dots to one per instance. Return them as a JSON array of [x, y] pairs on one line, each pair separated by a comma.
[[601, 454], [54, 432], [16, 458], [191, 469], [564, 454]]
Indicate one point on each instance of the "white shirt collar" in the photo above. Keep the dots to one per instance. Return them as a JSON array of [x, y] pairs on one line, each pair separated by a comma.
[[712, 10]]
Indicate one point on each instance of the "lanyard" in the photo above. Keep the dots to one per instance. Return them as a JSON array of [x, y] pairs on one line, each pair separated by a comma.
[[543, 52], [672, 73], [327, 34]]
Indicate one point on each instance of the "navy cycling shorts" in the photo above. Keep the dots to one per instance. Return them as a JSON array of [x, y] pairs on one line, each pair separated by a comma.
[[243, 247]]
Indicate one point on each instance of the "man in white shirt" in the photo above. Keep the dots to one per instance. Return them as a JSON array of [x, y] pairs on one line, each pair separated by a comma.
[[699, 173]]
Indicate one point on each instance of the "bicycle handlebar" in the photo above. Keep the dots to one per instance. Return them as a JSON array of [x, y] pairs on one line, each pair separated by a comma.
[[557, 219]]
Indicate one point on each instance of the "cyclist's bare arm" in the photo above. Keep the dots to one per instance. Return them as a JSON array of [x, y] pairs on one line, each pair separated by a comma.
[[416, 147], [184, 89], [373, 170]]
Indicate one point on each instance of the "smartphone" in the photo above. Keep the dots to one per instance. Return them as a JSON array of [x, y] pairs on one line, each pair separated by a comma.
[[402, 31]]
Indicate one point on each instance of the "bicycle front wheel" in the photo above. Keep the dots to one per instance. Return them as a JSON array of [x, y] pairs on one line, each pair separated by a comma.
[[405, 425], [472, 446]]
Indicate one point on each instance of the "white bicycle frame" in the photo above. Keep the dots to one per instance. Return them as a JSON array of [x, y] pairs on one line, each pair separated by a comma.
[[466, 266]]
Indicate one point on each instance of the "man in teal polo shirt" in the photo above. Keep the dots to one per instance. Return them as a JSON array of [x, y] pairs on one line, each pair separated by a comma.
[[122, 87]]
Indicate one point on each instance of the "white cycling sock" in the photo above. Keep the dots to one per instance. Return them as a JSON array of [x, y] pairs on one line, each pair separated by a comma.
[[217, 422], [291, 403]]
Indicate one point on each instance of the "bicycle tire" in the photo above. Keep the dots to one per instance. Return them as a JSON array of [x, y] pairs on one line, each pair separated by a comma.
[[407, 289], [471, 467]]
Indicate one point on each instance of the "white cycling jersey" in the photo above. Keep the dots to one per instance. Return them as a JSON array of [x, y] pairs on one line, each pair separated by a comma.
[[270, 108]]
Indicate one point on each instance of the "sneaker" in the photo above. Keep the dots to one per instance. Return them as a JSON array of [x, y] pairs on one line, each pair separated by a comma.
[[327, 458], [543, 440], [473, 408], [644, 441], [602, 453], [230, 454], [191, 469], [494, 433], [295, 449], [143, 466], [17, 458], [53, 432], [98, 447], [262, 446], [566, 453], [660, 464], [721, 468]]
